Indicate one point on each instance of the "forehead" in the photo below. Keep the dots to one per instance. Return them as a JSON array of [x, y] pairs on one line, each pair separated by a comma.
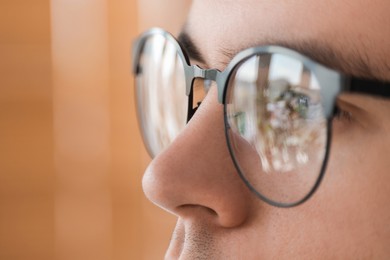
[[356, 28]]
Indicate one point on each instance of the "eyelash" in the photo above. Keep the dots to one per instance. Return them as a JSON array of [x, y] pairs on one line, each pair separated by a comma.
[[342, 115]]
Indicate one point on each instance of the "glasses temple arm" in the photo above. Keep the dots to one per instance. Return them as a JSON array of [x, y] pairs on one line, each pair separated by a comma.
[[370, 87]]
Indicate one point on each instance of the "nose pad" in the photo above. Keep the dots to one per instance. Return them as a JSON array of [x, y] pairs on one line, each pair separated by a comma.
[[195, 176]]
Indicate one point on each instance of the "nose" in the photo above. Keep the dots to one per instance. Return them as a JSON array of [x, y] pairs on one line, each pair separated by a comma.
[[195, 174]]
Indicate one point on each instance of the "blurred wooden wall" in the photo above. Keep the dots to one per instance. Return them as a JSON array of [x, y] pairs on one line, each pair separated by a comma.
[[71, 157], [27, 176]]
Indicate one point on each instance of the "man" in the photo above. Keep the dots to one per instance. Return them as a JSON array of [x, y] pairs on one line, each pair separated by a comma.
[[233, 209]]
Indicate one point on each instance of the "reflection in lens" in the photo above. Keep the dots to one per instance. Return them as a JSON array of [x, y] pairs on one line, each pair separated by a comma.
[[161, 98], [277, 129]]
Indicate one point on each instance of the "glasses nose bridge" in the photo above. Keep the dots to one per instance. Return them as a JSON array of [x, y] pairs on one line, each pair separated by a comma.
[[194, 71], [209, 74]]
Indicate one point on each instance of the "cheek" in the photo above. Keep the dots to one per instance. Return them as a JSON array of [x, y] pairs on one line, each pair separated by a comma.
[[350, 203], [359, 160]]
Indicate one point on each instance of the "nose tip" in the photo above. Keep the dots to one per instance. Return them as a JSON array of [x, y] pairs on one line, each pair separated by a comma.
[[195, 175], [222, 201], [158, 187]]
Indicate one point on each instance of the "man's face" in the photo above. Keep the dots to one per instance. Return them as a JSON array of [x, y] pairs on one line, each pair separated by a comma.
[[195, 179]]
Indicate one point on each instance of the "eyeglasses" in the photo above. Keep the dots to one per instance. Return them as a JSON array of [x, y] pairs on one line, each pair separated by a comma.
[[278, 107]]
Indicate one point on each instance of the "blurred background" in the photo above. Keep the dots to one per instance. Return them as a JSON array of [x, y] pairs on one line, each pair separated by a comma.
[[71, 156]]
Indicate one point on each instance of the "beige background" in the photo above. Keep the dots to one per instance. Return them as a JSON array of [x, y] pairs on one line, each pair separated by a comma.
[[71, 158]]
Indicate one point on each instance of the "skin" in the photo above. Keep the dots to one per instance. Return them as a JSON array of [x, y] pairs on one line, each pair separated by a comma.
[[195, 179]]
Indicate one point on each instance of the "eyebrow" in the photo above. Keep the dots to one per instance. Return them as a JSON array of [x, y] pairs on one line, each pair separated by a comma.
[[190, 48], [355, 64]]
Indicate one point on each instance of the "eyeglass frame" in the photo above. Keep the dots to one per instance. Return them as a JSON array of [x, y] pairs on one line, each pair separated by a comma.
[[332, 83]]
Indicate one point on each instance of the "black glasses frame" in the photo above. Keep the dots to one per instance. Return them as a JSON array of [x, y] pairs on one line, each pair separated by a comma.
[[332, 83]]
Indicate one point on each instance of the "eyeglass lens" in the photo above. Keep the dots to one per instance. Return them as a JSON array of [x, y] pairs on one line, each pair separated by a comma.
[[161, 97], [277, 129]]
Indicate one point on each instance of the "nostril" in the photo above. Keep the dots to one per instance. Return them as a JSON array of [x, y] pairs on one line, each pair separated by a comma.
[[194, 208], [198, 212], [225, 218]]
